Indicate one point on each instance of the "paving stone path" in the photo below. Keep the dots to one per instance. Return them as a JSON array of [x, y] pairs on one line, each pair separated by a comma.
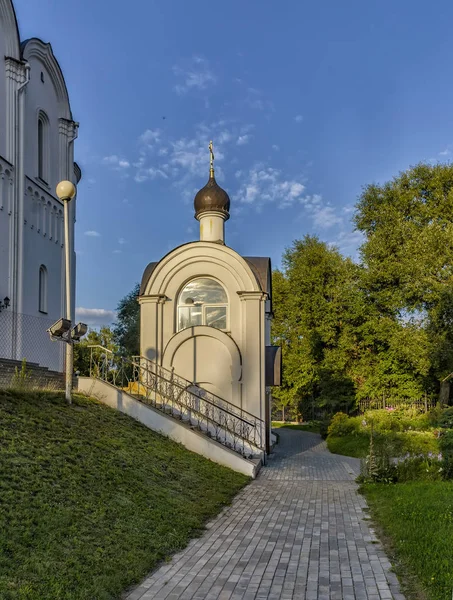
[[296, 532]]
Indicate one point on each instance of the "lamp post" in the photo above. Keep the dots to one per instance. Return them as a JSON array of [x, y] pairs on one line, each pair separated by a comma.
[[66, 191]]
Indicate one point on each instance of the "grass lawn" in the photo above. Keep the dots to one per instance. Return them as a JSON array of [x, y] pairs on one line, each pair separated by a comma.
[[417, 521], [91, 500], [349, 445], [312, 427]]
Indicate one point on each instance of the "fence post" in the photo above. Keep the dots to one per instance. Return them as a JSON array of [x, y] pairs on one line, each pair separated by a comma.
[[426, 404]]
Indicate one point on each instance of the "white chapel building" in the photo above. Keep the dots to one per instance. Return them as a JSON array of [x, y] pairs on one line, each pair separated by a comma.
[[37, 134], [206, 312]]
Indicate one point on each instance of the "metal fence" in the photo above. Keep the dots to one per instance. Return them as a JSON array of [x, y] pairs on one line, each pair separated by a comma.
[[163, 389], [25, 337], [423, 404]]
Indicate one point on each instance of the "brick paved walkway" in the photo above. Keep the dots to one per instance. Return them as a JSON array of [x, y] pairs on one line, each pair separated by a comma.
[[296, 532]]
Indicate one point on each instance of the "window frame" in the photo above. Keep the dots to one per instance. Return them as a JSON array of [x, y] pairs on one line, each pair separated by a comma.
[[43, 290], [43, 154], [180, 305]]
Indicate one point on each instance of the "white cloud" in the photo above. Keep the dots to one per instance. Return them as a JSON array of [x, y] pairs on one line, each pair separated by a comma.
[[121, 241], [275, 147], [117, 252], [325, 217], [298, 118], [195, 75], [92, 233], [150, 137], [243, 139], [95, 317], [116, 162], [267, 185]]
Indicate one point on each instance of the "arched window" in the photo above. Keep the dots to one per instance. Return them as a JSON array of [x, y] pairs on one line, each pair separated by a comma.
[[43, 147], [42, 289], [203, 302]]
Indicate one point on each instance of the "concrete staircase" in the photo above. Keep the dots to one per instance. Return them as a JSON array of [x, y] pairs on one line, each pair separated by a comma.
[[37, 376], [187, 413]]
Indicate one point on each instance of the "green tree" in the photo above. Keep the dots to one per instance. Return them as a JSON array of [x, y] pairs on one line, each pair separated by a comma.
[[104, 337], [315, 297], [408, 255], [127, 327]]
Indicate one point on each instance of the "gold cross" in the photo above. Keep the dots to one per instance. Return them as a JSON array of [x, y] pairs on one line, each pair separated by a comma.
[[212, 159]]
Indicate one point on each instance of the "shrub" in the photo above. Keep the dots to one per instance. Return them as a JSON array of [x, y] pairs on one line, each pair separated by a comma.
[[420, 468], [418, 443], [342, 425], [445, 418], [324, 428], [446, 444], [398, 419], [21, 378]]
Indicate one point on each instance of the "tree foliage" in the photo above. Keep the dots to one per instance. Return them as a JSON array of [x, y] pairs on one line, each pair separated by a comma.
[[127, 327]]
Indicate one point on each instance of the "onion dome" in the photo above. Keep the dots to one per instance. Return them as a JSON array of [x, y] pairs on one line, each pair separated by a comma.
[[212, 198]]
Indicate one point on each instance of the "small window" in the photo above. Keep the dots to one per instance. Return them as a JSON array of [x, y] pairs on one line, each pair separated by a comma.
[[42, 76], [43, 289], [43, 147], [203, 302]]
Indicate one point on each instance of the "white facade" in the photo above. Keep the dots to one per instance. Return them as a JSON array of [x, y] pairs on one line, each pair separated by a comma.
[[206, 311], [37, 136]]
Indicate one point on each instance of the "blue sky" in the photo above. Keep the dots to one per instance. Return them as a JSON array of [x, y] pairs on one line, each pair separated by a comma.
[[306, 102]]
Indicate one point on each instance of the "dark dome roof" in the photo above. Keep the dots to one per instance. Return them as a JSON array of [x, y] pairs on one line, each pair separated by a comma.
[[212, 198]]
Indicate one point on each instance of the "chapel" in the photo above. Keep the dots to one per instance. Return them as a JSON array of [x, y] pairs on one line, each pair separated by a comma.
[[205, 313]]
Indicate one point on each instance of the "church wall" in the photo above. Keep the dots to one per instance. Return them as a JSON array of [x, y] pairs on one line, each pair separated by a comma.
[[247, 330], [6, 199], [42, 96], [2, 91], [31, 225]]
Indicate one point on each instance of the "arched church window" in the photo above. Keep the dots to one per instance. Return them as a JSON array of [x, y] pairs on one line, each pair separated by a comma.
[[42, 289], [203, 301], [43, 147]]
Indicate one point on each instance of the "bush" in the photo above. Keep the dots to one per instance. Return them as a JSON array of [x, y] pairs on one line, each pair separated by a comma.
[[445, 418], [324, 428], [418, 442], [446, 444], [398, 419], [342, 425], [420, 468]]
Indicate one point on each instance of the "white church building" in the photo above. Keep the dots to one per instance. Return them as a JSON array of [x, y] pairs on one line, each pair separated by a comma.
[[37, 134]]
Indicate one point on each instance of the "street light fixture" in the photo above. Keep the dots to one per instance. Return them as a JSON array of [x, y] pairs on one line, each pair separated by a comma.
[[66, 191]]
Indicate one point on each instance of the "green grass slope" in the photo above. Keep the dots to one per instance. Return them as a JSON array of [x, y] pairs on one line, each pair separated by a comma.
[[91, 500], [416, 519]]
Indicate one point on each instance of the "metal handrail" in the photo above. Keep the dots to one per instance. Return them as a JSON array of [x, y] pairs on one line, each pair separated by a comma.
[[217, 400], [170, 393]]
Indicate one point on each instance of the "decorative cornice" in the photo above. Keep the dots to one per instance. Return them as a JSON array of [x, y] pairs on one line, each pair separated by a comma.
[[153, 299], [67, 127], [252, 296], [15, 70]]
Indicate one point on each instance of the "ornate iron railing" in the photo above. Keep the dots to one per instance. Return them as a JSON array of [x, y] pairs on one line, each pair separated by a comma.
[[161, 388]]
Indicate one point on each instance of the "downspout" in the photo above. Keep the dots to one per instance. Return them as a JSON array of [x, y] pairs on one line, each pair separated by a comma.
[[20, 186], [18, 267]]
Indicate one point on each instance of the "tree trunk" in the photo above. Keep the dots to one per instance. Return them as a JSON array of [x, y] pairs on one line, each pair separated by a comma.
[[283, 413], [444, 394]]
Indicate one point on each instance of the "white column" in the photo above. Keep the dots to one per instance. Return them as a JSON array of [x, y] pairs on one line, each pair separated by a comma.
[[212, 227], [253, 352], [151, 327]]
